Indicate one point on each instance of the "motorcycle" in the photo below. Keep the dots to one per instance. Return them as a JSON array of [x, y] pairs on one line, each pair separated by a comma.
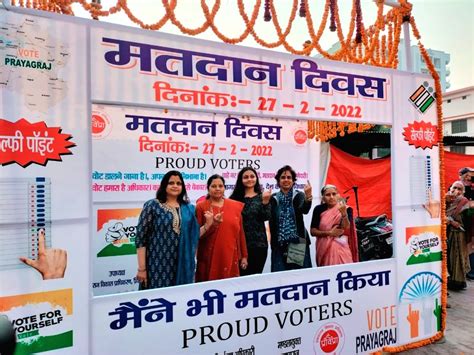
[[375, 238], [374, 234]]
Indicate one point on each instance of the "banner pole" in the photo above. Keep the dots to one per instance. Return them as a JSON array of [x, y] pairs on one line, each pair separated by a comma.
[[406, 36], [406, 42]]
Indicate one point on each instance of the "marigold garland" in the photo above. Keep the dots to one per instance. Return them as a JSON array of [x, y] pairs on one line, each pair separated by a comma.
[[444, 274], [255, 36], [306, 49], [222, 37], [350, 50]]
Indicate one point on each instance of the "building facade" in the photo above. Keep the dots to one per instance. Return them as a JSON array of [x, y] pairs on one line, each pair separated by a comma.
[[440, 61], [458, 118]]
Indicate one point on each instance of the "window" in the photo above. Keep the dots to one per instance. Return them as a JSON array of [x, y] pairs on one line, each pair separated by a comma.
[[464, 97], [437, 62], [458, 149], [449, 101], [459, 126]]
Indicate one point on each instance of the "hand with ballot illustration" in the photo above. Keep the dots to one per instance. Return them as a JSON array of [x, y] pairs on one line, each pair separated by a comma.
[[51, 263], [427, 316], [438, 314], [413, 318]]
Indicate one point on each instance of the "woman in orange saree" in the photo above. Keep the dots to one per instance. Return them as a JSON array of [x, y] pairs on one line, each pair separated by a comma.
[[222, 248]]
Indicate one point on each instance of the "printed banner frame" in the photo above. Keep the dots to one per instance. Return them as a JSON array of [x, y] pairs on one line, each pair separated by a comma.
[[152, 71]]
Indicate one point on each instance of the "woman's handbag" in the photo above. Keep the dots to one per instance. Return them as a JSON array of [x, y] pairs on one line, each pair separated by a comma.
[[296, 252]]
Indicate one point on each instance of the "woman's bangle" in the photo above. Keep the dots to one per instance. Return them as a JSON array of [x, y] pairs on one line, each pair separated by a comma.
[[141, 270]]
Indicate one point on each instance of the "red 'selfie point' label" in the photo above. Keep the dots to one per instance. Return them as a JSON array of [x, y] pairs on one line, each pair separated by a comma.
[[25, 143], [421, 134]]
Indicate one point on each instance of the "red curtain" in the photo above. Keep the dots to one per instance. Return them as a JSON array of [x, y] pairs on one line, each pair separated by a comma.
[[453, 162], [372, 177]]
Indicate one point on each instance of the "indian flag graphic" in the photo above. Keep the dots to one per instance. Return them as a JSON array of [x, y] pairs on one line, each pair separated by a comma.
[[117, 230], [424, 243], [42, 321]]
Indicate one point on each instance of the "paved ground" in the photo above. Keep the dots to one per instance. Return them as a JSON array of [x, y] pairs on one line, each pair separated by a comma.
[[459, 334]]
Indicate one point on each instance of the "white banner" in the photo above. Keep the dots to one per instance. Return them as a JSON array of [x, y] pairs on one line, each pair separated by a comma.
[[137, 146], [178, 72], [416, 209], [44, 183], [337, 310], [164, 102]]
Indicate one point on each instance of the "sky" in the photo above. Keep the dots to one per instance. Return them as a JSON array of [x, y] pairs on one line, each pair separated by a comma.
[[445, 25]]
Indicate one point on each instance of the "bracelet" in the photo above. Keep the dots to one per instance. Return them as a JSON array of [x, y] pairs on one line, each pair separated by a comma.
[[141, 270], [344, 216], [205, 228]]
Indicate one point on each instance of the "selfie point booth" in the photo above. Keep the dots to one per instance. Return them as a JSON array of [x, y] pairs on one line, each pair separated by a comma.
[[94, 114]]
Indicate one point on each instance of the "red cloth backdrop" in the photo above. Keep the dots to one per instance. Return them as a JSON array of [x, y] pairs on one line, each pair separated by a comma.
[[373, 179], [453, 162]]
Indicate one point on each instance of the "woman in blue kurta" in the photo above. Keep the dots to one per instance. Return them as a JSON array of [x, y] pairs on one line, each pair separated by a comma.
[[167, 236], [286, 223]]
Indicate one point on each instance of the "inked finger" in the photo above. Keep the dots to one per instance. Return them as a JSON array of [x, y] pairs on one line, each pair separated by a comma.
[[41, 241], [27, 261]]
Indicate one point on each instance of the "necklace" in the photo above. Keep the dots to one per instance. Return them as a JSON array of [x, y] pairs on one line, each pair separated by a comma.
[[175, 204], [176, 213]]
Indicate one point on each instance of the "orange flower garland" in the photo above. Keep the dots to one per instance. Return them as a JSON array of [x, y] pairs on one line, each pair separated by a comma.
[[261, 41], [222, 37], [361, 47], [444, 275]]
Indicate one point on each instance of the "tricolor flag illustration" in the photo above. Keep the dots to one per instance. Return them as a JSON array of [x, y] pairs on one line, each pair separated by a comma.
[[42, 321]]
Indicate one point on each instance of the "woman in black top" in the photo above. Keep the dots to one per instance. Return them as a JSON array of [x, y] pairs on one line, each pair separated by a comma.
[[256, 211]]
